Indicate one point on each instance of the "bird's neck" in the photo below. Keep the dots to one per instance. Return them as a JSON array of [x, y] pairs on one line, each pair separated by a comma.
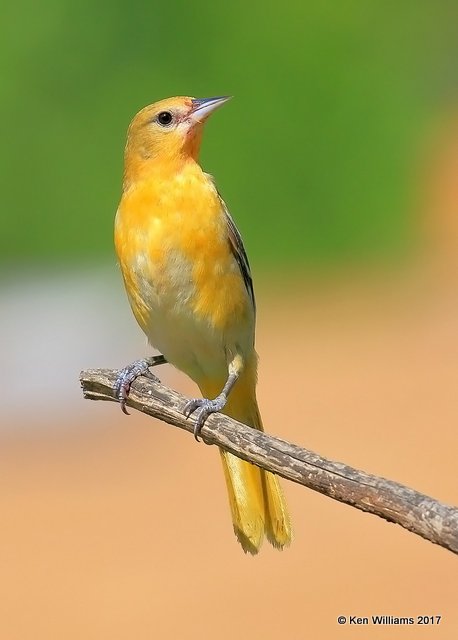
[[137, 169], [142, 163]]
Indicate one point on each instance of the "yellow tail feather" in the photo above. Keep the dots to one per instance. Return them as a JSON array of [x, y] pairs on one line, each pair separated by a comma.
[[246, 501], [256, 500], [278, 523]]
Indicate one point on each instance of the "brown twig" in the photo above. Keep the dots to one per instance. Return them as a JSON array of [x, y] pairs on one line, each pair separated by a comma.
[[420, 514]]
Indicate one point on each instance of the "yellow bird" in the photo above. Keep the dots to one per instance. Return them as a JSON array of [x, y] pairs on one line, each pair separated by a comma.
[[189, 284]]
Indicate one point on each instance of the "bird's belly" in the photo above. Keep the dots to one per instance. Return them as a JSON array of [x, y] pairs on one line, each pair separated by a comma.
[[187, 343], [174, 321]]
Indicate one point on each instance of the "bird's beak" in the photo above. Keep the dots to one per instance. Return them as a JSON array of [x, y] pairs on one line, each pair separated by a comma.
[[203, 107]]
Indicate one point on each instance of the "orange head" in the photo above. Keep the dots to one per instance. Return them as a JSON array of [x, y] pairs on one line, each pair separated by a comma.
[[169, 130]]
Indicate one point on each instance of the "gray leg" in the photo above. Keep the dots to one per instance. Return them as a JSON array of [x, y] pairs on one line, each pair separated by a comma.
[[132, 372], [206, 407]]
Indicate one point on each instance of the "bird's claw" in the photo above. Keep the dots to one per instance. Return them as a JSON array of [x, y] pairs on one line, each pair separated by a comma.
[[127, 376], [204, 408]]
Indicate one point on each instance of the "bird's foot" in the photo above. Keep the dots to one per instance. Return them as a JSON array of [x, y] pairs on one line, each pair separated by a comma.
[[204, 407], [130, 373]]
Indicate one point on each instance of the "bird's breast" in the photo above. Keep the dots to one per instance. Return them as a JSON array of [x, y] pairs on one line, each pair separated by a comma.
[[182, 280]]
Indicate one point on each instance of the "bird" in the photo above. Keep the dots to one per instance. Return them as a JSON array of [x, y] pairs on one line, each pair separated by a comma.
[[189, 284]]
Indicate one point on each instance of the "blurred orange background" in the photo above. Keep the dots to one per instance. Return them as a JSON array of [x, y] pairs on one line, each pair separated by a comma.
[[118, 527]]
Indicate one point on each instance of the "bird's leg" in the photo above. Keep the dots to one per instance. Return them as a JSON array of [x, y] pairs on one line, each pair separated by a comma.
[[133, 371], [206, 407]]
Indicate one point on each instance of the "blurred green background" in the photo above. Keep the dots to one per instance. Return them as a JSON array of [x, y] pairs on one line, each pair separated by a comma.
[[314, 156]]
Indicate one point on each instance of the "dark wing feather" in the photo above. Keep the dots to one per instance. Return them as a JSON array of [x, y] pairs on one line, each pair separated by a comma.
[[237, 248]]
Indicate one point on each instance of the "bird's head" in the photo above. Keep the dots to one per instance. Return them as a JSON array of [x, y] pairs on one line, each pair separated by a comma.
[[169, 130]]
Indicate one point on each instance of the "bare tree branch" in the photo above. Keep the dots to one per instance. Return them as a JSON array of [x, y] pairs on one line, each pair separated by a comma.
[[420, 514]]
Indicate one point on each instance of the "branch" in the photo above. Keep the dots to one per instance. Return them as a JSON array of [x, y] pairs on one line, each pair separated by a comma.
[[420, 514]]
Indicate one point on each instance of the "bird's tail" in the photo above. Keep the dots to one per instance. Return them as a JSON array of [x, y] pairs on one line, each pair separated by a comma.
[[255, 497]]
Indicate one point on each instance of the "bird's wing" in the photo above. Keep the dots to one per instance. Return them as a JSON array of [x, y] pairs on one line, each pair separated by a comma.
[[238, 250]]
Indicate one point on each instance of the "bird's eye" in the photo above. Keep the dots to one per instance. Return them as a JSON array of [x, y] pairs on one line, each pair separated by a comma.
[[165, 118]]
